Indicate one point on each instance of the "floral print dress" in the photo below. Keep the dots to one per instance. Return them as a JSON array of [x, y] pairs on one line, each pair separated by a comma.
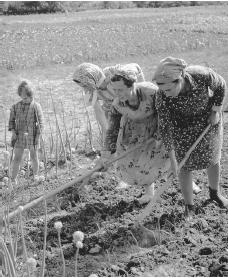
[[149, 163], [182, 119]]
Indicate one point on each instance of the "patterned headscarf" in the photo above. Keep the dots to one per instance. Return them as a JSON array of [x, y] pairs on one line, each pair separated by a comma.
[[169, 69], [89, 75], [110, 71], [126, 73]]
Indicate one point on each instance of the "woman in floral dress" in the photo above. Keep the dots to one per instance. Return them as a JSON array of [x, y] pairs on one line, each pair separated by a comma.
[[132, 121], [190, 98]]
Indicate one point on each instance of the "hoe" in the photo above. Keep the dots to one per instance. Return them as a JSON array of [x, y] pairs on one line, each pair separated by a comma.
[[148, 237]]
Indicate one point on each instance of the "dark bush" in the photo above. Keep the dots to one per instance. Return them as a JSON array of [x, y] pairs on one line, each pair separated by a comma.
[[31, 7]]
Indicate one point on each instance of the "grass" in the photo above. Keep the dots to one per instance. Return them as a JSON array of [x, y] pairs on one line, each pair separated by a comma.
[[46, 49], [105, 35], [50, 47]]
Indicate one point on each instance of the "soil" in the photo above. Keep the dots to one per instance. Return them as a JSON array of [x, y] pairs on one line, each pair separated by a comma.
[[114, 244]]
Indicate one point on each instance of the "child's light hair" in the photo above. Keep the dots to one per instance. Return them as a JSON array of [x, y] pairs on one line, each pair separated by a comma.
[[28, 87]]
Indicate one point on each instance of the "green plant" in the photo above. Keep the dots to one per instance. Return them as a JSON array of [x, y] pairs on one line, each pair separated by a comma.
[[58, 226], [67, 138], [21, 223], [78, 238], [45, 238], [58, 127]]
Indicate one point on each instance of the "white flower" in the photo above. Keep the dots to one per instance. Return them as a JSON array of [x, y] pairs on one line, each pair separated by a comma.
[[22, 172], [5, 180], [79, 244], [31, 262], [39, 178], [73, 150], [41, 165], [58, 225], [42, 178], [78, 236], [26, 134]]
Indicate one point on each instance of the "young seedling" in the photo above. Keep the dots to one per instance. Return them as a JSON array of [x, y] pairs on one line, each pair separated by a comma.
[[23, 238], [58, 226], [45, 237], [67, 138], [78, 238], [89, 126], [57, 125]]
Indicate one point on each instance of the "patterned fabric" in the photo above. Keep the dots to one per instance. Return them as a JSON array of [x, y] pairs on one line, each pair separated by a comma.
[[150, 162], [92, 77], [108, 94], [26, 118], [89, 75], [169, 69], [182, 119], [130, 69]]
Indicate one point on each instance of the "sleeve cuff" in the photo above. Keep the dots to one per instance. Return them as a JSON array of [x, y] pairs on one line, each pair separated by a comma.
[[217, 108]]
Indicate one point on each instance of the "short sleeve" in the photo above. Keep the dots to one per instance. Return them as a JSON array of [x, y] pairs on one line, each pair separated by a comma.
[[217, 85], [113, 130]]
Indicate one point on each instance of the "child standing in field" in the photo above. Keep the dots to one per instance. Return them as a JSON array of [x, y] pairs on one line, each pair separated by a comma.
[[26, 124]]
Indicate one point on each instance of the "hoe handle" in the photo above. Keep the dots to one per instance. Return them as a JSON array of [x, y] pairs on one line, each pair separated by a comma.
[[75, 181], [146, 211]]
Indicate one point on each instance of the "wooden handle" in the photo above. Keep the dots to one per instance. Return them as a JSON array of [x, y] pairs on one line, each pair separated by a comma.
[[193, 147], [163, 187], [75, 181]]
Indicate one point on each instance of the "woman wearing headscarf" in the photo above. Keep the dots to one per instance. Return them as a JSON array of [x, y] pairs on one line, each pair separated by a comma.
[[132, 121], [97, 89], [190, 98]]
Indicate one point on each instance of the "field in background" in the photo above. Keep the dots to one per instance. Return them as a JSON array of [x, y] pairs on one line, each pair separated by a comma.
[[39, 40], [46, 49]]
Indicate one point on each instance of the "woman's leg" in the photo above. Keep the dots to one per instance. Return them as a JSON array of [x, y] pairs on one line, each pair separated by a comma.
[[185, 179], [35, 160], [18, 154], [213, 173]]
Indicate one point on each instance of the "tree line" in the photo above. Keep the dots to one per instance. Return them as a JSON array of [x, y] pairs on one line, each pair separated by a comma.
[[31, 7]]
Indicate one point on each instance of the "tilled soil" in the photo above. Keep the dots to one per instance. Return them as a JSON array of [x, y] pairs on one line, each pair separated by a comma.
[[115, 243]]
